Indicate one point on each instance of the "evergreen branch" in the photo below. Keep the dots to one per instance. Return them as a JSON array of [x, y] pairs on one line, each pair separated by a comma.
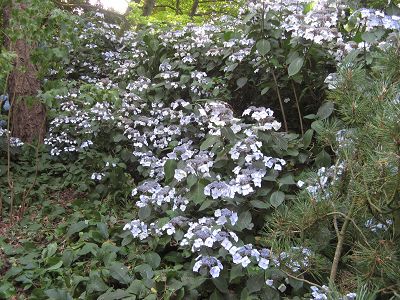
[[352, 221], [301, 279]]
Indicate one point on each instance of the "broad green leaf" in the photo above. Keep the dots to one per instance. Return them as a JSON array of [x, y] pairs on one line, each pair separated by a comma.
[[244, 221], [277, 198], [255, 283], [197, 192], [286, 180], [119, 272], [137, 287], [265, 90], [102, 227], [221, 284], [144, 212], [263, 46], [51, 249], [295, 66], [145, 271], [236, 271], [96, 284], [153, 259], [206, 204], [260, 204], [58, 294], [77, 227], [323, 159], [209, 142], [114, 295], [296, 284], [241, 82], [325, 110], [7, 290], [191, 180], [307, 137], [55, 266], [231, 67], [169, 169], [67, 258], [317, 126]]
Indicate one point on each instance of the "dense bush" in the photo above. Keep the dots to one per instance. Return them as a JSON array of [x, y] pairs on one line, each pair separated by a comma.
[[182, 122]]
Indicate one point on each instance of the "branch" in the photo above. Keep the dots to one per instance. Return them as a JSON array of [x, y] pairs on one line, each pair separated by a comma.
[[88, 7], [280, 101]]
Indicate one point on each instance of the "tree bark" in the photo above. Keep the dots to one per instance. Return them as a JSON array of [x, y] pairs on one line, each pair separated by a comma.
[[148, 7], [27, 113], [194, 8]]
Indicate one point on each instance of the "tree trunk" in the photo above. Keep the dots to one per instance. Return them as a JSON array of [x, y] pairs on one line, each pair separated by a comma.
[[27, 113], [148, 7], [194, 8]]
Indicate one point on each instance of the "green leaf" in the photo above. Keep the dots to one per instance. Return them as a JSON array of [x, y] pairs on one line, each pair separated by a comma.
[[169, 169], [51, 249], [77, 227], [102, 227], [114, 295], [317, 126], [231, 67], [153, 259], [265, 90], [296, 284], [137, 287], [307, 137], [209, 142], [277, 198], [260, 204], [191, 180], [118, 138], [7, 290], [309, 6], [221, 284], [244, 221], [206, 204], [96, 284], [263, 46], [197, 192], [236, 271], [241, 82], [295, 66], [119, 272], [55, 266], [58, 294], [372, 36], [144, 212], [325, 110], [323, 159], [255, 283], [286, 180], [145, 271]]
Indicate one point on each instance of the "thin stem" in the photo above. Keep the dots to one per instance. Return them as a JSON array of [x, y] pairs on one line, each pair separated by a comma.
[[298, 108], [28, 191], [9, 177], [339, 245], [280, 101], [301, 279], [352, 221]]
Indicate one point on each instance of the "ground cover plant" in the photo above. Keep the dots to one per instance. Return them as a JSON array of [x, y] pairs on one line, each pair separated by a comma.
[[251, 157]]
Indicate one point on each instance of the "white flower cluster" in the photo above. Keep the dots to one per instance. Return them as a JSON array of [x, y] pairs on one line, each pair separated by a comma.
[[375, 226], [326, 177], [14, 142], [323, 293]]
